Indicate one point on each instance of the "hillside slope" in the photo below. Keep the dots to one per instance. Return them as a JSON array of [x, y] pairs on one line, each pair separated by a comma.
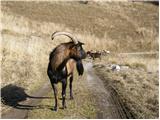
[[110, 25]]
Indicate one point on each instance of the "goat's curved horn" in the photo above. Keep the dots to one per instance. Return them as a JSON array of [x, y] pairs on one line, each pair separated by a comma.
[[73, 38]]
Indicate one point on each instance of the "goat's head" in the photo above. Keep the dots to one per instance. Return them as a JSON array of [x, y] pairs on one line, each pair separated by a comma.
[[76, 50], [88, 52]]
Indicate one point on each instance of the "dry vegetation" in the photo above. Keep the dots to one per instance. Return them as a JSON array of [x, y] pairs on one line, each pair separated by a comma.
[[27, 26], [117, 24], [136, 86]]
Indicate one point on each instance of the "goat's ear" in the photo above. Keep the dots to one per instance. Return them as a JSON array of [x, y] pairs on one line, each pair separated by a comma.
[[80, 43], [83, 43]]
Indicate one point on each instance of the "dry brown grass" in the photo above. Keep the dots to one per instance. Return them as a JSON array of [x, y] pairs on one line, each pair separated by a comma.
[[20, 66], [148, 62], [117, 24], [137, 86]]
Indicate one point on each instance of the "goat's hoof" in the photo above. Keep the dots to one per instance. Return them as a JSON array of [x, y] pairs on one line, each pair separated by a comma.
[[54, 109], [71, 98], [64, 107]]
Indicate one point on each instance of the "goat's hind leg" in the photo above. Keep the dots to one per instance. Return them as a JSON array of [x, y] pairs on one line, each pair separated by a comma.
[[64, 85], [54, 86], [70, 86]]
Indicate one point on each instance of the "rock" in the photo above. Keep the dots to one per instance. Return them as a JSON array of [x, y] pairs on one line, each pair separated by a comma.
[[108, 52], [115, 67]]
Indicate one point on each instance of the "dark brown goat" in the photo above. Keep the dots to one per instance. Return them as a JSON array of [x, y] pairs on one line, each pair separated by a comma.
[[94, 55], [61, 64]]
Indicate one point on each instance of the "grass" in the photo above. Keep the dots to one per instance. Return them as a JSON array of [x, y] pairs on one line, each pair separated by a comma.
[[147, 62], [95, 22], [137, 86], [74, 111]]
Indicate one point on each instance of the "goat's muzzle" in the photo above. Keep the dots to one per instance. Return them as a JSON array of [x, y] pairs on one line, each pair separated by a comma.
[[83, 55]]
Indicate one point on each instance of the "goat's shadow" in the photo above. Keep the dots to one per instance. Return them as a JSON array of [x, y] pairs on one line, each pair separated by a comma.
[[12, 95]]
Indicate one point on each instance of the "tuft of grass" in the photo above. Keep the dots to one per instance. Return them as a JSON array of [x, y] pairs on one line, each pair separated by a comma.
[[138, 65]]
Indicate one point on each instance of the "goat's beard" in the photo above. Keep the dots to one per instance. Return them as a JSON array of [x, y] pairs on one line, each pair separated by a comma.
[[80, 68]]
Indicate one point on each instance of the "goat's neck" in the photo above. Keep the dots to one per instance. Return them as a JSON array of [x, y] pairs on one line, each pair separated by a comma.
[[63, 64], [60, 59]]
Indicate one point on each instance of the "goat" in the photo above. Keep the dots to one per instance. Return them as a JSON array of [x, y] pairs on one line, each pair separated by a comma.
[[105, 52], [61, 64], [94, 55]]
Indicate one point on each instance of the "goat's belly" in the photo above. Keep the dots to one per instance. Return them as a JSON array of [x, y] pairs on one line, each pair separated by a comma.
[[62, 75], [56, 76]]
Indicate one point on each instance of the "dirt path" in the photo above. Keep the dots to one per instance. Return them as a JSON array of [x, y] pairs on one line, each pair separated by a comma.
[[21, 112], [107, 105]]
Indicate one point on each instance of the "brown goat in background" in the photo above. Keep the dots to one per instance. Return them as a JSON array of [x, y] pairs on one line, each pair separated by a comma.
[[94, 55], [61, 64]]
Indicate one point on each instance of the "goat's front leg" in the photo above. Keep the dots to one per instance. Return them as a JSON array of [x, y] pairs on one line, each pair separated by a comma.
[[70, 86], [64, 85], [54, 86]]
